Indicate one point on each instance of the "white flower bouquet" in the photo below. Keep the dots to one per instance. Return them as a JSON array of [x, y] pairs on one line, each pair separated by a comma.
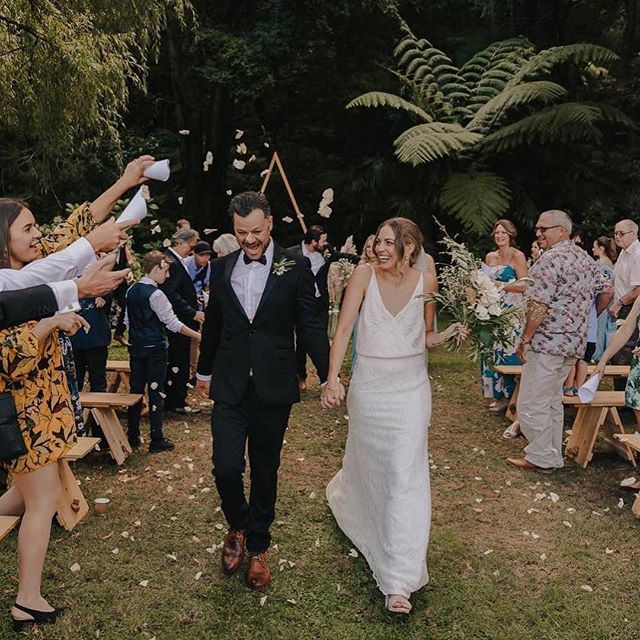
[[472, 298]]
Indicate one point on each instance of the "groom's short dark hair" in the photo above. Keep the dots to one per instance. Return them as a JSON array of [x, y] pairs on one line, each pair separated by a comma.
[[244, 203]]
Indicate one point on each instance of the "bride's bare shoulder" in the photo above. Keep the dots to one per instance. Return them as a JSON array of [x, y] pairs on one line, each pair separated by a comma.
[[362, 274], [430, 282]]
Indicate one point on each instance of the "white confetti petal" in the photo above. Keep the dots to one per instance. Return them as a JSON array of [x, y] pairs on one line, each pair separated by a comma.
[[208, 232], [571, 510], [143, 583], [209, 158], [608, 551], [125, 534], [554, 497], [241, 149], [239, 164], [264, 173], [586, 587], [627, 482], [620, 503], [266, 145], [175, 369], [198, 575], [239, 134], [115, 551], [252, 158], [263, 601], [172, 556], [287, 219], [154, 222], [353, 553], [219, 526], [325, 211], [229, 192], [74, 568], [543, 556], [180, 199], [567, 524], [184, 132], [166, 242], [145, 193], [488, 552]]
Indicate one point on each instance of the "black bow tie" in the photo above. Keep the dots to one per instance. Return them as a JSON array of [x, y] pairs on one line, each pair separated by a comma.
[[248, 260]]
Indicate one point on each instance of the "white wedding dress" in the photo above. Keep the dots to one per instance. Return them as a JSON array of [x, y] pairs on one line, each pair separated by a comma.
[[381, 498]]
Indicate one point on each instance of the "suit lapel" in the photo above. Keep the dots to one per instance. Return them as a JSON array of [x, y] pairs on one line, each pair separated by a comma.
[[271, 280], [228, 270]]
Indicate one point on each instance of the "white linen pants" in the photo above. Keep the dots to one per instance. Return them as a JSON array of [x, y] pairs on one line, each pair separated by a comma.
[[540, 408]]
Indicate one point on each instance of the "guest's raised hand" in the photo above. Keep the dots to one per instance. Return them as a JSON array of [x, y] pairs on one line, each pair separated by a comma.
[[99, 278], [99, 302], [133, 174], [107, 236], [199, 317], [70, 323], [203, 387]]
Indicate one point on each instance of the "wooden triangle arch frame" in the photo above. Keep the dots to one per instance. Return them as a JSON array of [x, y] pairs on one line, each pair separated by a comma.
[[275, 161]]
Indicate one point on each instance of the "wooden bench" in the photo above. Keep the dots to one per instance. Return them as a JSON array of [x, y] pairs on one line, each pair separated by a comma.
[[7, 524], [600, 415], [632, 440], [102, 407], [122, 375], [612, 370], [73, 505]]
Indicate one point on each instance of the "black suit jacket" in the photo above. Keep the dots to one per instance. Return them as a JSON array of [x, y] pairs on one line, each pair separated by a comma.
[[32, 303], [179, 288], [232, 346]]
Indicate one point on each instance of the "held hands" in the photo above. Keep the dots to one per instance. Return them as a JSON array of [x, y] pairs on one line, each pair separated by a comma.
[[203, 387], [332, 395]]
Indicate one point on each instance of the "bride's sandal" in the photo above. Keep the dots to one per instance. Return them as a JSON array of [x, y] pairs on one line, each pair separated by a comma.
[[397, 603]]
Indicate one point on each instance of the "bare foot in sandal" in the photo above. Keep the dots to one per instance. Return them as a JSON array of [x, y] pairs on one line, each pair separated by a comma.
[[397, 603]]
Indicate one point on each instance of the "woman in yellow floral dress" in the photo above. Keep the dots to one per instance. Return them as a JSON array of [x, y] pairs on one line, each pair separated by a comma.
[[31, 367]]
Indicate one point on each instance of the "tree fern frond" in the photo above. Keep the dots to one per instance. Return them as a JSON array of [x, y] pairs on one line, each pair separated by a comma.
[[381, 99], [428, 142], [476, 199], [579, 54], [569, 121], [489, 114]]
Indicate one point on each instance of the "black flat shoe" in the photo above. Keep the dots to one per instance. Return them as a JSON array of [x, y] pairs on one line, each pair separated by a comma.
[[37, 617]]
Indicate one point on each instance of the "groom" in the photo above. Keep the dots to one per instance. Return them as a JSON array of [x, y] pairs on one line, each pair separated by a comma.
[[259, 295]]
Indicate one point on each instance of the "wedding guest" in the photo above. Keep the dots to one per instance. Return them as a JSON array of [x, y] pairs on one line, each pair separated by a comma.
[[604, 249], [555, 334], [507, 263], [225, 244], [535, 252], [182, 224], [368, 256], [199, 268], [32, 368], [381, 498], [91, 348], [149, 315], [312, 247], [626, 282], [181, 291]]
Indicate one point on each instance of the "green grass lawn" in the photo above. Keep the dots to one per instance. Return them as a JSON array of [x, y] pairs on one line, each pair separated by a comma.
[[505, 562]]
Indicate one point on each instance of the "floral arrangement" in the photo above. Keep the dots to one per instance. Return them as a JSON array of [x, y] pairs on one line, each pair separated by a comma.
[[337, 279], [472, 298]]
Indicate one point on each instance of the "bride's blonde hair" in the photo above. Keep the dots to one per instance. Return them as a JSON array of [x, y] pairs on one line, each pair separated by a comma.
[[406, 232]]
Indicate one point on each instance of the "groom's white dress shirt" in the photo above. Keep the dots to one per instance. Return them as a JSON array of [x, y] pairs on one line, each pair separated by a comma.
[[249, 280], [55, 270]]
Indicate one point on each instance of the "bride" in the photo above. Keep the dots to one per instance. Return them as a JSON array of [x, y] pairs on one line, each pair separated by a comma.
[[381, 497]]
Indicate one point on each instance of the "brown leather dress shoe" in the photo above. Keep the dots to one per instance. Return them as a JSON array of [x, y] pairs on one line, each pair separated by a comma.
[[233, 551], [258, 574], [523, 463]]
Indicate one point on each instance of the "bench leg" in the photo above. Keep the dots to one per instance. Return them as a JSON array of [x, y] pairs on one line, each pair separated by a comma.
[[114, 385], [113, 432], [511, 412], [584, 433], [73, 505], [614, 425]]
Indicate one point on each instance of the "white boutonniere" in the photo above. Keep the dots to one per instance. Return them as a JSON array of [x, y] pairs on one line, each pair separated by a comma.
[[281, 267]]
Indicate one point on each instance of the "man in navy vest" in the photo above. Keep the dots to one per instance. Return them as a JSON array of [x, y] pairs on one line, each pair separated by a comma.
[[149, 314]]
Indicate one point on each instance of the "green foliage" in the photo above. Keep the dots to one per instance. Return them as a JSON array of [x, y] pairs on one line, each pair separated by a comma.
[[495, 103]]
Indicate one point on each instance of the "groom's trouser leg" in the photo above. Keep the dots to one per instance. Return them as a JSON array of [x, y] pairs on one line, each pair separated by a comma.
[[540, 409], [267, 426], [229, 428]]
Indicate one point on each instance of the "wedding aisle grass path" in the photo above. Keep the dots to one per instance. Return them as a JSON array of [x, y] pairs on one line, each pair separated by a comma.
[[508, 558]]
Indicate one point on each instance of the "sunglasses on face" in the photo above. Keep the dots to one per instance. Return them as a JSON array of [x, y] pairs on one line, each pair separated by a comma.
[[621, 233], [545, 229]]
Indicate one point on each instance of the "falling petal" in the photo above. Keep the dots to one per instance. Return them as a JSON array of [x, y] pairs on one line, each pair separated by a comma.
[[208, 232], [172, 556], [239, 164], [353, 553], [586, 587], [620, 503], [266, 145], [180, 199], [263, 600], [229, 192], [143, 583], [554, 497], [154, 222], [115, 551], [175, 369], [325, 211], [205, 166], [608, 551], [252, 158], [154, 385], [241, 149], [209, 158], [239, 134], [184, 132], [198, 575], [144, 192], [74, 568]]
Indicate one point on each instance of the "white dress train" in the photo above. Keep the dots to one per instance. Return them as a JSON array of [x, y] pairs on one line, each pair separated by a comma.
[[381, 498]]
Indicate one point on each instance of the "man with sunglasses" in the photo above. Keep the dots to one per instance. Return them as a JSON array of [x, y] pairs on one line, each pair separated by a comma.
[[626, 284], [566, 280]]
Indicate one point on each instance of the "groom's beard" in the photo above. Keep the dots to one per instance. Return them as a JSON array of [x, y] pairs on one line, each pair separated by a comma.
[[255, 249]]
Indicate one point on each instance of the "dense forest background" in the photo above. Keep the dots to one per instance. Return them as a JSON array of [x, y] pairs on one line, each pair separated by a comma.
[[86, 85]]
